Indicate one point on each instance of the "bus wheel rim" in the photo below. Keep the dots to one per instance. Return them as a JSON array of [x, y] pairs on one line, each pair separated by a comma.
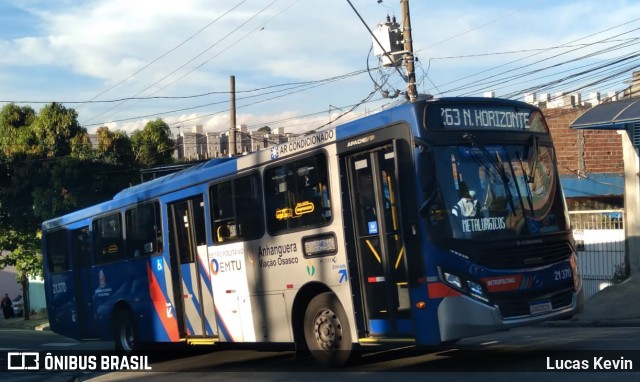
[[327, 330], [126, 337]]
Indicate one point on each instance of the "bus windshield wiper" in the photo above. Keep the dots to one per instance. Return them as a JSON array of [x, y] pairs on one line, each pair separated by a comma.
[[530, 178], [536, 150], [527, 180], [498, 167]]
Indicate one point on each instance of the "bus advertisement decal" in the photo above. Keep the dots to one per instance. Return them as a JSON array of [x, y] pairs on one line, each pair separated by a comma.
[[440, 290], [228, 283], [317, 139], [102, 290], [224, 331], [162, 307], [506, 283], [272, 256]]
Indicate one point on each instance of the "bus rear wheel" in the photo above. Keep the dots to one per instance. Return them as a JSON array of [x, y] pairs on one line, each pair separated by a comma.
[[125, 334], [326, 330]]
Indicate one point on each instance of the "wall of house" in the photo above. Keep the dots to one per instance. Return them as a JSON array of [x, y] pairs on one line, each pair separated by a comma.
[[632, 203], [582, 152]]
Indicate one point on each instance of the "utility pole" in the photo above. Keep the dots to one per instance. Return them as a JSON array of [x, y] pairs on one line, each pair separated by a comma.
[[232, 114], [409, 59]]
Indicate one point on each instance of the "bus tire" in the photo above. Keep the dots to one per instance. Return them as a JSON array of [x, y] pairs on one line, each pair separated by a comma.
[[124, 332], [327, 331]]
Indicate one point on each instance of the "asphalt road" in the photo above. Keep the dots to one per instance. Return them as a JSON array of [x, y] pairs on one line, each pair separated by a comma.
[[524, 354]]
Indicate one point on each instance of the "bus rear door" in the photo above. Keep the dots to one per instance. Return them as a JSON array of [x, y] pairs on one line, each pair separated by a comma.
[[81, 260], [189, 269]]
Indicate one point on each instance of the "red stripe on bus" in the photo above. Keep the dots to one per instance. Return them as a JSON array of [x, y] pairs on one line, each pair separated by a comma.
[[160, 304], [441, 290]]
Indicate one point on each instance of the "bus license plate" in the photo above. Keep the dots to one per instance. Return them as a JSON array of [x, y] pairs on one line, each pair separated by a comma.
[[538, 307]]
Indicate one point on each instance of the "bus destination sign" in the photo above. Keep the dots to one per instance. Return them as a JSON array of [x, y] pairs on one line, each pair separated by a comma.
[[465, 117]]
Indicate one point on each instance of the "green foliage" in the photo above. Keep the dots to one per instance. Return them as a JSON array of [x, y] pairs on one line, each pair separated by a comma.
[[266, 129], [48, 168], [16, 136], [114, 147], [22, 251], [153, 145], [621, 273], [81, 146]]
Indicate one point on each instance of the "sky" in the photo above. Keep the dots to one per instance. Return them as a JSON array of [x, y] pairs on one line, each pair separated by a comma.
[[298, 64]]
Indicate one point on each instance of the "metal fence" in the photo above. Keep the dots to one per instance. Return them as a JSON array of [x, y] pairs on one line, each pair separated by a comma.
[[600, 243]]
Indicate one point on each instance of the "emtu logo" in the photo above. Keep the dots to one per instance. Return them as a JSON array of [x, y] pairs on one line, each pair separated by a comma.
[[215, 267], [23, 361]]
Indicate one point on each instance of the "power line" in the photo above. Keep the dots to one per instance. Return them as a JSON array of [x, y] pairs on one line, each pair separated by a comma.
[[498, 80], [528, 50], [507, 81], [169, 51], [290, 85], [222, 51], [292, 89], [575, 76], [259, 28], [478, 27], [189, 61], [532, 55]]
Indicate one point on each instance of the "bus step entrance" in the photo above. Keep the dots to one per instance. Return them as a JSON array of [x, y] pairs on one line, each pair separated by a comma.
[[202, 340]]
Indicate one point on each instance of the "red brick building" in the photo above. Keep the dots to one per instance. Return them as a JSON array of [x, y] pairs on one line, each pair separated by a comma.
[[590, 162]]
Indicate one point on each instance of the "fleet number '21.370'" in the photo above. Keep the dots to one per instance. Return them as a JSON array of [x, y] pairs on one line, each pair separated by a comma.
[[562, 274]]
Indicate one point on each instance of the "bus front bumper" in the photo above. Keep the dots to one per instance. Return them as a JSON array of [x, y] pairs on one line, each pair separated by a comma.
[[463, 316]]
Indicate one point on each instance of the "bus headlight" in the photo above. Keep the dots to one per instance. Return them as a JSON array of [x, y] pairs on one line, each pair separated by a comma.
[[469, 287], [453, 280], [476, 290]]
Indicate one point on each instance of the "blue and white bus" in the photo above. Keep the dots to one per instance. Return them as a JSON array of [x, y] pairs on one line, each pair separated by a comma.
[[424, 223]]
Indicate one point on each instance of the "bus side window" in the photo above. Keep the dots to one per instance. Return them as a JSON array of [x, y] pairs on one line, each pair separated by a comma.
[[144, 233], [236, 209], [297, 194], [222, 211], [108, 239], [57, 252], [248, 200]]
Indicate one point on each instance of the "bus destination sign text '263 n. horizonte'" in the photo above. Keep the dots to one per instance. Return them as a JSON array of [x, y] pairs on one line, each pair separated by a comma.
[[484, 118]]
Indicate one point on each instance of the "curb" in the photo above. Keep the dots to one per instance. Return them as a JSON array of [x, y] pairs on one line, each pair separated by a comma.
[[42, 327], [625, 323]]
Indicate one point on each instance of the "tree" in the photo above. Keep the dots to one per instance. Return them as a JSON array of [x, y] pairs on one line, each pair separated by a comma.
[[54, 129], [22, 252], [15, 132], [153, 145], [114, 147], [266, 129], [47, 168], [81, 146], [32, 191]]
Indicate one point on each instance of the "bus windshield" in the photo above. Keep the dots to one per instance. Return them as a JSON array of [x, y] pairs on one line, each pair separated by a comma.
[[497, 191]]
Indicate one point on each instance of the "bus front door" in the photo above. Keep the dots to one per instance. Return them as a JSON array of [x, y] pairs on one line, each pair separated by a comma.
[[189, 271], [374, 189]]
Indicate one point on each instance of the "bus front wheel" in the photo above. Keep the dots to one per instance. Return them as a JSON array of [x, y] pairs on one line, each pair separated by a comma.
[[326, 330], [125, 334]]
